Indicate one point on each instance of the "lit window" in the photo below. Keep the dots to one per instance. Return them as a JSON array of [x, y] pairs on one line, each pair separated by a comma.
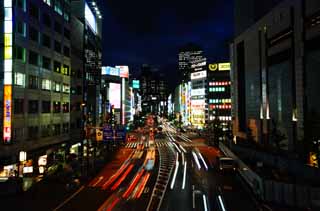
[[7, 3], [66, 88], [46, 84], [19, 79], [48, 2]]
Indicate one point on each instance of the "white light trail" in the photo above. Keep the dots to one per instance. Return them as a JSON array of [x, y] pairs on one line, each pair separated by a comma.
[[174, 175], [183, 149], [177, 147], [204, 202], [184, 175], [204, 163], [196, 159], [221, 203]]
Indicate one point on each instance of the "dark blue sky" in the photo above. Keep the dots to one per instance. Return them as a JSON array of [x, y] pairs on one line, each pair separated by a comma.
[[152, 31]]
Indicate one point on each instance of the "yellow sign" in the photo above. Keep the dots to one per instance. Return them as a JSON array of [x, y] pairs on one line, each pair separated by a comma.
[[99, 135], [220, 67], [213, 67], [313, 159], [7, 105], [224, 66]]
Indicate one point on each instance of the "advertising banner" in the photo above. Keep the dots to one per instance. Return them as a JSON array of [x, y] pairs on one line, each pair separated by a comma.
[[124, 71], [198, 75], [120, 133], [99, 135]]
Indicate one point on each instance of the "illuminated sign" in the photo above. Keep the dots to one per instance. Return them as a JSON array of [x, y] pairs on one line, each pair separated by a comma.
[[136, 84], [220, 67], [124, 71], [90, 18], [198, 112], [198, 75], [123, 100], [115, 94], [110, 71], [197, 92], [7, 95], [200, 64]]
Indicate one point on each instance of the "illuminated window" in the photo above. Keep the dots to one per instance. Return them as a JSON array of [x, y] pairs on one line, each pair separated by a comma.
[[48, 2], [19, 79], [8, 52], [46, 84], [56, 66], [65, 70], [58, 6], [56, 87], [7, 3], [66, 88], [7, 39], [7, 26]]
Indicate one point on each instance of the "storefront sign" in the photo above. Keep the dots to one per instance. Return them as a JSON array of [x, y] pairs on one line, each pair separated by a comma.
[[220, 66], [198, 75], [107, 133]]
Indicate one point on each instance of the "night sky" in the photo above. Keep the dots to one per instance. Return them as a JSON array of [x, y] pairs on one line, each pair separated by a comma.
[[152, 31]]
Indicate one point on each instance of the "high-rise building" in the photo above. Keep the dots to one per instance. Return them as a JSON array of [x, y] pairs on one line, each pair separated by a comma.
[[35, 67], [219, 95], [247, 12], [191, 59], [154, 90], [275, 80]]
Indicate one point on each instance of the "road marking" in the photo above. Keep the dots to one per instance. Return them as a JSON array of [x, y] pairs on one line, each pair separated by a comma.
[[68, 199], [184, 175]]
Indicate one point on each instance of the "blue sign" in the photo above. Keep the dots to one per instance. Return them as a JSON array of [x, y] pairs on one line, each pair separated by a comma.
[[107, 133], [110, 71], [120, 133]]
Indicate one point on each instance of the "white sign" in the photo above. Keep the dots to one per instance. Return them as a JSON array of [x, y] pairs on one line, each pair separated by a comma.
[[27, 169], [198, 75], [197, 92]]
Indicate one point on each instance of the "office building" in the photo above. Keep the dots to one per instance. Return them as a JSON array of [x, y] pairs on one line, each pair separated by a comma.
[[274, 76]]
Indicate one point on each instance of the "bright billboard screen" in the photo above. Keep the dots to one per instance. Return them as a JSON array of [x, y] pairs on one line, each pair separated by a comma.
[[90, 18], [124, 71], [115, 94]]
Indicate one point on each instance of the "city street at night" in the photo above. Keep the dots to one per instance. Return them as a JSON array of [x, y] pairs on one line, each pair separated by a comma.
[[113, 105]]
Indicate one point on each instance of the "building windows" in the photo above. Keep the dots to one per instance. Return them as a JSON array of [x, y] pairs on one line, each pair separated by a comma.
[[57, 27], [18, 133], [18, 106], [19, 79], [58, 6], [33, 106], [67, 33], [33, 11], [56, 66], [217, 89], [57, 46], [65, 128], [56, 107], [66, 51], [33, 58], [46, 106], [46, 41], [21, 4], [33, 34], [46, 20], [65, 88], [33, 82], [56, 129], [65, 107], [45, 130], [65, 70], [20, 53], [46, 63], [33, 132], [48, 2], [46, 84], [21, 28], [56, 87]]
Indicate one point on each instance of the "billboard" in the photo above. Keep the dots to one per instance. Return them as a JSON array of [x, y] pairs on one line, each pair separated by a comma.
[[124, 71], [90, 18], [199, 75], [110, 71], [135, 84], [197, 92], [107, 133], [115, 94], [220, 66]]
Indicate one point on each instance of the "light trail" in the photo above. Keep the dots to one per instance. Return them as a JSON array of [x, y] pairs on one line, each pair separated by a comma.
[[114, 177], [221, 203], [175, 172], [204, 202], [133, 184], [196, 159], [204, 163], [182, 148], [116, 185], [113, 204], [184, 175], [142, 186]]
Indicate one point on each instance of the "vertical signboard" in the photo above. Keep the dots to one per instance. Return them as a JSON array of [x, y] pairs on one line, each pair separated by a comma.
[[120, 133], [7, 95], [107, 133]]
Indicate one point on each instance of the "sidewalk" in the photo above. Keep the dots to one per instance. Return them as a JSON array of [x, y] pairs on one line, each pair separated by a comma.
[[49, 192]]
